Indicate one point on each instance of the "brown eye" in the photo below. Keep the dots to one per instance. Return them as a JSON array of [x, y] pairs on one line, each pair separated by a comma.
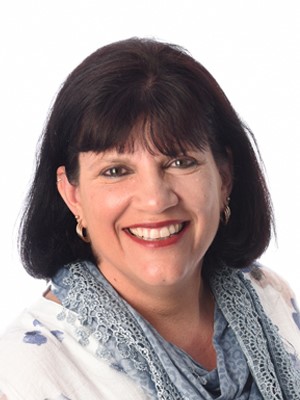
[[115, 172], [183, 163]]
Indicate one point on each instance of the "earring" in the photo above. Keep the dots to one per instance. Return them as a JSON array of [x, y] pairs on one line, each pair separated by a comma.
[[81, 231], [226, 212]]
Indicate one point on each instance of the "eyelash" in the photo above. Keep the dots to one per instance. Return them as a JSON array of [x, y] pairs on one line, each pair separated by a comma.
[[188, 162], [178, 163], [108, 172]]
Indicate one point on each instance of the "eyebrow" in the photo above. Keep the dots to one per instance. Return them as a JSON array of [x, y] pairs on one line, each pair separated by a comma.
[[114, 158]]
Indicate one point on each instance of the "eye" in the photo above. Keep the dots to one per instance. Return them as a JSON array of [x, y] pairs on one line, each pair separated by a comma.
[[183, 163], [115, 172]]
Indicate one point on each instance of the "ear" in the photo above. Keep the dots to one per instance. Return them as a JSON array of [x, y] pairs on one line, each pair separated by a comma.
[[68, 191]]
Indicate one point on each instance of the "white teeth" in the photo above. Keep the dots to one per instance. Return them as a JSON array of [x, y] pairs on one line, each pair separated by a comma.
[[172, 229], [139, 232], [164, 232], [154, 234]]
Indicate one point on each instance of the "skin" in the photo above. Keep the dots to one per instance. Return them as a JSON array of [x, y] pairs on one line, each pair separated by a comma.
[[161, 278]]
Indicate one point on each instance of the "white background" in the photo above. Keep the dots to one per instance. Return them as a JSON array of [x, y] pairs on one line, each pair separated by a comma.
[[251, 47]]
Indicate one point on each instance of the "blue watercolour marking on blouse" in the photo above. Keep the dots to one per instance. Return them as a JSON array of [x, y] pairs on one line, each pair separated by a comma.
[[296, 314], [36, 322], [34, 337], [58, 334]]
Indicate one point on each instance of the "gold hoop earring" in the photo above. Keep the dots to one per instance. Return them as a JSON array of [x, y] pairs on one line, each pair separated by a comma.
[[81, 231], [226, 212]]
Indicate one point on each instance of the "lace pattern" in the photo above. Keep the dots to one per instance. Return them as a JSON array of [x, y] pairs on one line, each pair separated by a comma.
[[267, 358], [120, 341], [104, 317], [288, 376]]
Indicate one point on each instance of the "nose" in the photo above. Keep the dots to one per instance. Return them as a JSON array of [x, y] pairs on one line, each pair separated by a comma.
[[155, 194]]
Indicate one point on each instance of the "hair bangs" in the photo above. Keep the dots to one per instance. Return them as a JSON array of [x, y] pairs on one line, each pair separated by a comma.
[[148, 119]]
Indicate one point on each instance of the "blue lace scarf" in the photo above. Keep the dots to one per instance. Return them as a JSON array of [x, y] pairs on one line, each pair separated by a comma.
[[126, 340]]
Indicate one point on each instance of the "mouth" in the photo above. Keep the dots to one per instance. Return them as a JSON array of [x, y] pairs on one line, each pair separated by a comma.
[[157, 234]]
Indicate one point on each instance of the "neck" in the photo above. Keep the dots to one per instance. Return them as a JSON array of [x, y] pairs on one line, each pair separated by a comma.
[[185, 319], [187, 302], [173, 310]]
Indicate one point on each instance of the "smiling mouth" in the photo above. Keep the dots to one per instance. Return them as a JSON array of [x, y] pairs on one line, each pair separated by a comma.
[[151, 234]]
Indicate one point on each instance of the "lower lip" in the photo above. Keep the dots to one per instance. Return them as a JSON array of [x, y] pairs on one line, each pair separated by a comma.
[[158, 243]]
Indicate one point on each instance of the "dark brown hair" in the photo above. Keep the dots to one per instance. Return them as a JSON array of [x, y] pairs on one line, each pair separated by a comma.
[[113, 89]]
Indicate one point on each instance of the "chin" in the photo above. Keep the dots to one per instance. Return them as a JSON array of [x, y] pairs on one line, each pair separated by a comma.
[[160, 278]]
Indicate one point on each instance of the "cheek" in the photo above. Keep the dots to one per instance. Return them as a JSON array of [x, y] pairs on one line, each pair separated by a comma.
[[104, 206], [204, 195]]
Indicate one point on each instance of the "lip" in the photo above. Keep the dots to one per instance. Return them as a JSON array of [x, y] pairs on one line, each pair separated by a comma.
[[158, 243]]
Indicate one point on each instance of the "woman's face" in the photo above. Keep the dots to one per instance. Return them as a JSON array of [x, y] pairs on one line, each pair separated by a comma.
[[150, 218]]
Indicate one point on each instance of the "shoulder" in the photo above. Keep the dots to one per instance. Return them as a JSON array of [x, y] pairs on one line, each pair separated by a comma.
[[31, 331], [40, 357], [271, 287], [278, 301], [29, 351]]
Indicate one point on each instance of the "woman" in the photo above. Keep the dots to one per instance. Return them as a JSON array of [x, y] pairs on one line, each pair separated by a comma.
[[146, 214]]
